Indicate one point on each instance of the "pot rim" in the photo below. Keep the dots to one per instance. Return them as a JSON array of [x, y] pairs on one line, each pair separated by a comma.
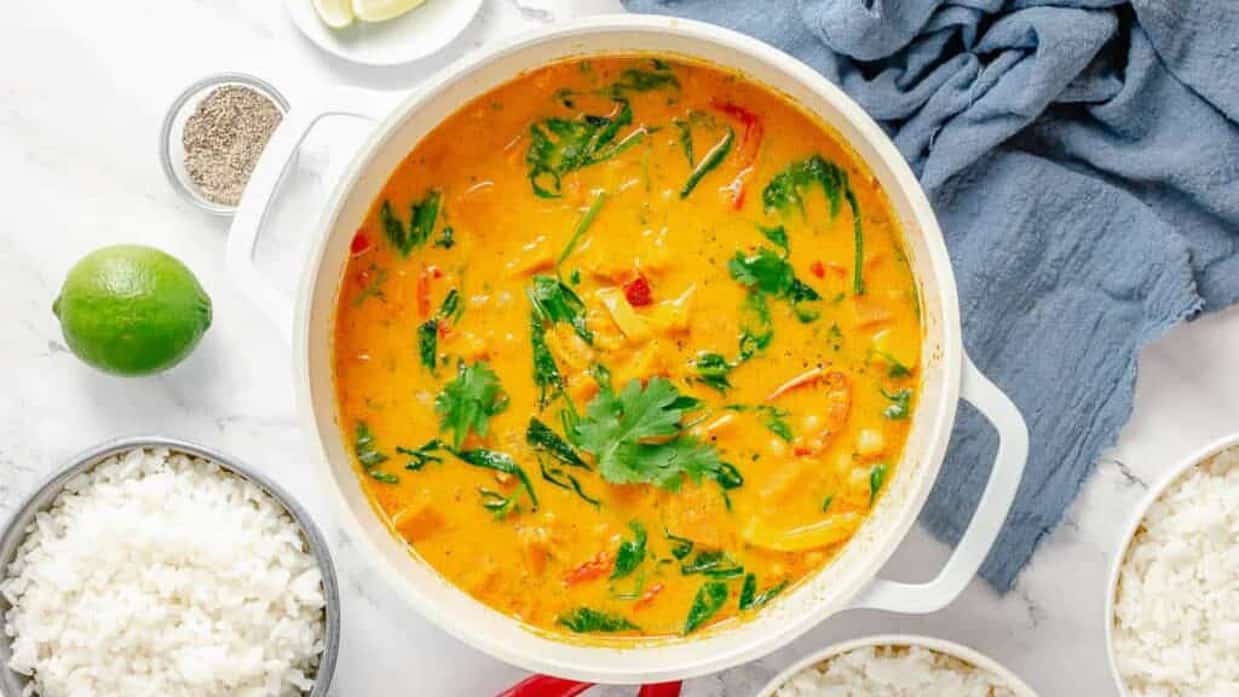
[[1156, 489], [921, 222]]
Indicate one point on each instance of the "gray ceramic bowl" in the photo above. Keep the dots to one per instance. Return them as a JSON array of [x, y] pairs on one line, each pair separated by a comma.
[[12, 684]]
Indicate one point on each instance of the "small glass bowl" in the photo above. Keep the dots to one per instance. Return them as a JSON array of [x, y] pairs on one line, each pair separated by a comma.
[[171, 148]]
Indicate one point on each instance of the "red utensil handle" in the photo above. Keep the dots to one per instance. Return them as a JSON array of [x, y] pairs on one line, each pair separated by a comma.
[[546, 686], [662, 689]]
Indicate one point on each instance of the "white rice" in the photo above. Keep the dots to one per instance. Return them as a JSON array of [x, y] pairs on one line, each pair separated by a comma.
[[1176, 623], [894, 671], [158, 575]]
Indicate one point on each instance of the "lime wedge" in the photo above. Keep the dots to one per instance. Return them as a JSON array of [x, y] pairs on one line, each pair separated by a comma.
[[382, 10], [336, 14]]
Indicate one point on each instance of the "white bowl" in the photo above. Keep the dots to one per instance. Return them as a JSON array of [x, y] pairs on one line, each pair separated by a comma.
[[1129, 533], [941, 646]]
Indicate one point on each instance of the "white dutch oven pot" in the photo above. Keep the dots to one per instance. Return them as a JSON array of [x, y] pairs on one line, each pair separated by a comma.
[[848, 582]]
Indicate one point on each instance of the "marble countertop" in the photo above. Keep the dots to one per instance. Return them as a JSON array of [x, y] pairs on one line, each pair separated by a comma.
[[82, 95]]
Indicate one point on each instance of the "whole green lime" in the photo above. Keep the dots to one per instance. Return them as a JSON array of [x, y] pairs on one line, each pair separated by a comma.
[[132, 310]]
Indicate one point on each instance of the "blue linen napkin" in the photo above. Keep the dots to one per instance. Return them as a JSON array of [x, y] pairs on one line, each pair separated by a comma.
[[1083, 158]]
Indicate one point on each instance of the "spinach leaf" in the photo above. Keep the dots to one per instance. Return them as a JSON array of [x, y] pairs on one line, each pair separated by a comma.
[[712, 369], [423, 216], [422, 455], [637, 80], [756, 326], [451, 308], [364, 447], [554, 301], [584, 620], [788, 187], [709, 162], [894, 368], [428, 343], [499, 462], [394, 230], [559, 146], [447, 238], [542, 438], [681, 547], [368, 454], [565, 480], [749, 597], [778, 235], [712, 562], [378, 276], [469, 401], [728, 477], [828, 500], [877, 475], [858, 246], [581, 226], [772, 417], [385, 477], [709, 600], [428, 331], [546, 373], [498, 504], [901, 403], [631, 552], [686, 139]]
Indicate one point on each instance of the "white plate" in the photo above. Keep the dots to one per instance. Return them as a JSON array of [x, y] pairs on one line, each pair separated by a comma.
[[404, 39]]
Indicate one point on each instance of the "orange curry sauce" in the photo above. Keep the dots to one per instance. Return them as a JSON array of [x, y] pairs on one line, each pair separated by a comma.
[[630, 283]]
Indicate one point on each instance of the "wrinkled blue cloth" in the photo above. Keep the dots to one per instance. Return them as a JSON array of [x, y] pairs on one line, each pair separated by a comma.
[[1083, 158]]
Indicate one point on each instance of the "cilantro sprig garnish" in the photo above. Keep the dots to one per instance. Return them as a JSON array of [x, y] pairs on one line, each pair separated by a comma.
[[637, 436], [469, 401]]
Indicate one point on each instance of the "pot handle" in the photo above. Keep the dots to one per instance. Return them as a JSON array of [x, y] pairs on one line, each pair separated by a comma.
[[270, 169], [987, 521], [547, 686]]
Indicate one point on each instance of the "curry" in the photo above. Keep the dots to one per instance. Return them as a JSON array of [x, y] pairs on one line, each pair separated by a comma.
[[627, 347]]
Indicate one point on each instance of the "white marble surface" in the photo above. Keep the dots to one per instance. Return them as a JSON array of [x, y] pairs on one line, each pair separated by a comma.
[[83, 88]]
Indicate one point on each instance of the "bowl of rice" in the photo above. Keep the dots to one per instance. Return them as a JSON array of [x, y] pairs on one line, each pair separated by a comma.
[[897, 665], [152, 566], [1172, 612]]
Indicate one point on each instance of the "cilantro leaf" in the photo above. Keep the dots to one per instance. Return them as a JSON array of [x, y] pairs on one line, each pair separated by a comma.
[[766, 272], [637, 436], [468, 401]]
